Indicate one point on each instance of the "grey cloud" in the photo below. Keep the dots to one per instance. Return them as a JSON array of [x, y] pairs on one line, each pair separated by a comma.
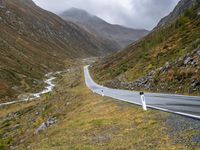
[[131, 13]]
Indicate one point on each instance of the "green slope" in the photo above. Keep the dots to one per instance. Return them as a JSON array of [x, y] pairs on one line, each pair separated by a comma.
[[157, 62], [34, 42]]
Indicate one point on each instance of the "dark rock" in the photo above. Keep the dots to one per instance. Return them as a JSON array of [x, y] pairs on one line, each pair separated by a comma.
[[8, 12], [187, 60], [194, 63]]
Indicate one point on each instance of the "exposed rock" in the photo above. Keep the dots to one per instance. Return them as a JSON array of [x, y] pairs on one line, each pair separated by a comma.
[[187, 60], [165, 67], [194, 63], [2, 7], [41, 128], [198, 52], [45, 125]]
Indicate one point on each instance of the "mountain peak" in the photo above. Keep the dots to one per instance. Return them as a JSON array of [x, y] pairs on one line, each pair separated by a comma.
[[74, 9], [119, 35], [77, 13]]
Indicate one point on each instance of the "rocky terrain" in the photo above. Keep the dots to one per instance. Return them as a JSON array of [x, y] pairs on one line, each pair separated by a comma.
[[166, 60], [182, 73], [117, 35], [34, 42]]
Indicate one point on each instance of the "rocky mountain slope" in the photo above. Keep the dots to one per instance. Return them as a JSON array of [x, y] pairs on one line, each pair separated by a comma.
[[34, 42], [167, 60], [115, 34], [182, 6]]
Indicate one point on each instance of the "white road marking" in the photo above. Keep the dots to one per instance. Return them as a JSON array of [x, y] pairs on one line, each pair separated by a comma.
[[87, 75]]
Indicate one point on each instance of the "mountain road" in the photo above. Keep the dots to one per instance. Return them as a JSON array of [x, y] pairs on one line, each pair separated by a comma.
[[178, 104]]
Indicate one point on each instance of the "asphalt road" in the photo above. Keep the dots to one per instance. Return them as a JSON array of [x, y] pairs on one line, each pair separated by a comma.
[[179, 104]]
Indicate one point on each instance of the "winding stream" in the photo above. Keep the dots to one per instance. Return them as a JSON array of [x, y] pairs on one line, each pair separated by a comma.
[[49, 88]]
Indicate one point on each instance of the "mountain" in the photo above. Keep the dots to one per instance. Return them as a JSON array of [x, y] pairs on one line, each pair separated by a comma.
[[166, 60], [180, 9], [34, 42], [117, 35]]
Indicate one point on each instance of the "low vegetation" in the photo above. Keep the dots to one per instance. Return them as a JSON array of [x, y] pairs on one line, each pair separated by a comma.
[[84, 121], [34, 42], [168, 44]]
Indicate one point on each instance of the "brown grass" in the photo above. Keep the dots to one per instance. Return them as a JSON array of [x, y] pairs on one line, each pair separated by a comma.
[[85, 121]]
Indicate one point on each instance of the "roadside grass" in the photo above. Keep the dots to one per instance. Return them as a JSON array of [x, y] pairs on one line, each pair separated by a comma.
[[98, 123], [85, 121]]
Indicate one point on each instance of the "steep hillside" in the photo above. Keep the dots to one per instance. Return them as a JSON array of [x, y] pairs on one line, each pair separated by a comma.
[[117, 35], [180, 9], [167, 60], [34, 42]]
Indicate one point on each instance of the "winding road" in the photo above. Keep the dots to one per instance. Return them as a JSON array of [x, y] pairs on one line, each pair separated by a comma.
[[178, 104]]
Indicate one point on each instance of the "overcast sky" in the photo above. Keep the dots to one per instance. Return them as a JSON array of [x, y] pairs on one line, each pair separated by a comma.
[[130, 13]]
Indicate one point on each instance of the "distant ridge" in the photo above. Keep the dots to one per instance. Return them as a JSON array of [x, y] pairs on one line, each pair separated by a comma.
[[119, 35]]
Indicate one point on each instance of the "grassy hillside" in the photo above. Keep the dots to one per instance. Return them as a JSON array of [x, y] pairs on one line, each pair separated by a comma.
[[88, 121], [34, 42], [167, 60]]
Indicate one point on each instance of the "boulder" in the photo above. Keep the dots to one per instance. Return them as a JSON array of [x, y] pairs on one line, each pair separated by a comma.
[[187, 60], [45, 125], [194, 63], [41, 128]]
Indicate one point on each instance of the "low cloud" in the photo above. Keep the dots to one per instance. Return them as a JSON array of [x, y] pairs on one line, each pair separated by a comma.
[[131, 13]]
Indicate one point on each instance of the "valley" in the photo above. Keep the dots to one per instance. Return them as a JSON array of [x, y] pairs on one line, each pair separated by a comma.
[[71, 80], [83, 120], [34, 42]]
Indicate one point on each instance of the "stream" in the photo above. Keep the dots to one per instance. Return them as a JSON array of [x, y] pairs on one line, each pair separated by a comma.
[[49, 88]]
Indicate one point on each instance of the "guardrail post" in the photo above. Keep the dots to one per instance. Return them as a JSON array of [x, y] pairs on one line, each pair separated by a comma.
[[144, 106], [102, 93]]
